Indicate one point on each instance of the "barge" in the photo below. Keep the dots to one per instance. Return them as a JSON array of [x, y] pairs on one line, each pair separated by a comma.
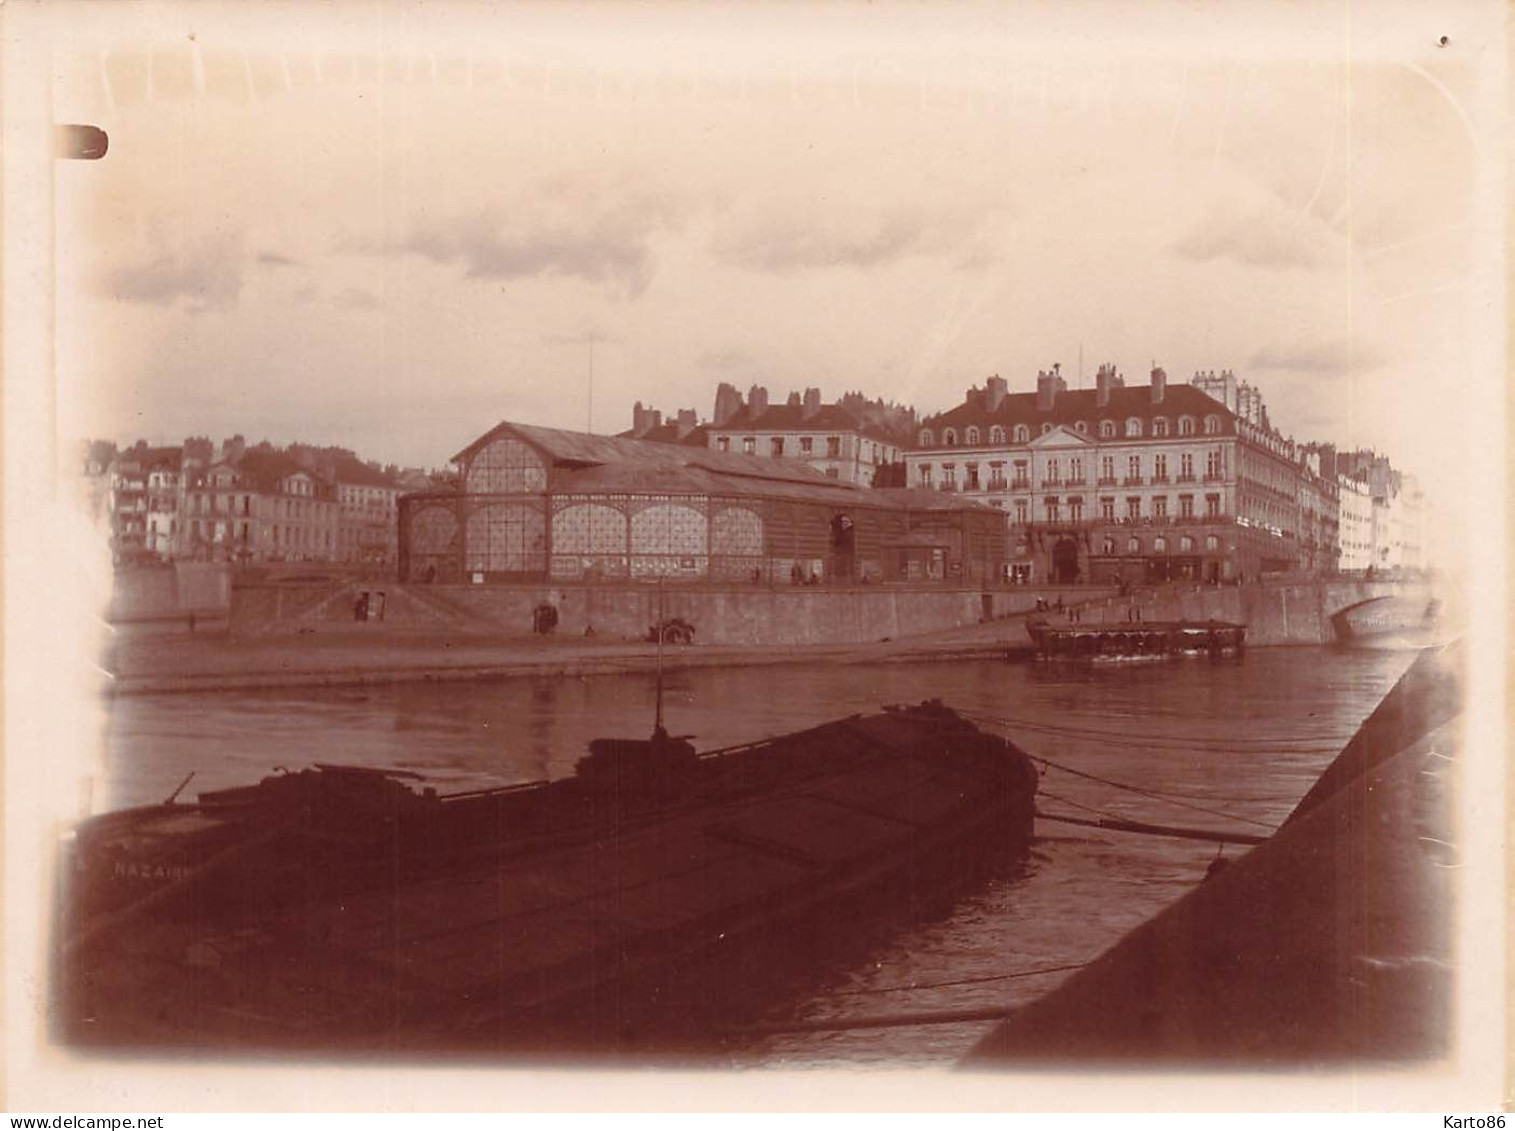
[[1136, 640], [352, 908]]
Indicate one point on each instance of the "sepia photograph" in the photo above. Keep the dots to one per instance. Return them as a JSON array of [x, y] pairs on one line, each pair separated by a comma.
[[755, 556]]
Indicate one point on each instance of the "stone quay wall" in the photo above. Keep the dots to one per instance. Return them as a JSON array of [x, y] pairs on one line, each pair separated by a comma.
[[1274, 612]]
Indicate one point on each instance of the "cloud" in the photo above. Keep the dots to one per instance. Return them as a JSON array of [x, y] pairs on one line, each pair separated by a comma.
[[486, 247], [803, 237], [1270, 236], [206, 277], [274, 259], [1316, 359], [356, 298]]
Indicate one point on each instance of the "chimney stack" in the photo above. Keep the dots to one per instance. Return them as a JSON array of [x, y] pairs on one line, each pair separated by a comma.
[[1159, 384], [728, 402], [686, 422], [811, 404], [1104, 380], [793, 400], [1048, 385], [995, 390], [757, 400]]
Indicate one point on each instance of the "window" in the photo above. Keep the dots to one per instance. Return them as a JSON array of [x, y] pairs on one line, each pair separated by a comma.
[[1076, 470], [1133, 427], [807, 445], [949, 476], [1212, 465], [1160, 506], [1020, 510], [1107, 469], [777, 444], [1107, 546], [1082, 428], [1186, 425], [971, 436], [1051, 504], [925, 475], [972, 470], [1106, 429], [1046, 428], [1133, 545], [833, 447], [949, 438], [1212, 542], [1159, 545], [1186, 506], [1076, 508], [996, 435], [1186, 544], [1134, 506], [1107, 507], [1022, 474], [1022, 434], [1212, 425], [1186, 466], [926, 437], [1159, 426], [1134, 468], [749, 444], [1212, 506], [1052, 470]]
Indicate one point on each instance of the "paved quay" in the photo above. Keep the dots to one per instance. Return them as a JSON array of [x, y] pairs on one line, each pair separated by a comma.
[[182, 662]]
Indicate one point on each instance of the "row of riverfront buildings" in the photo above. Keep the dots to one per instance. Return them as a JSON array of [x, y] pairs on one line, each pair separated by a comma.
[[1109, 484], [227, 502]]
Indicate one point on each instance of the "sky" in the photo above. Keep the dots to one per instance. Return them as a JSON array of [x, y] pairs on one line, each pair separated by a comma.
[[392, 227]]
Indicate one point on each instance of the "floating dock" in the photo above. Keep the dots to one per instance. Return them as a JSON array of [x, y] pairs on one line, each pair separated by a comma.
[[1135, 640]]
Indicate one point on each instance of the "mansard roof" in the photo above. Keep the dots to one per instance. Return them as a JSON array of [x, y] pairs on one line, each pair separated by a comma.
[[1073, 405]]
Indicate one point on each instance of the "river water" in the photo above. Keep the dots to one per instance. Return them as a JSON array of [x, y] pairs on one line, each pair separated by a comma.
[[1244, 738]]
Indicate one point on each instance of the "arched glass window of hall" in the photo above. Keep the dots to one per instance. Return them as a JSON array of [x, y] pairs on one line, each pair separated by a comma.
[[1133, 427], [1185, 544], [1022, 434], [1159, 426], [949, 437], [971, 435], [1212, 425], [1159, 545], [1106, 429], [1186, 425], [996, 435], [926, 437]]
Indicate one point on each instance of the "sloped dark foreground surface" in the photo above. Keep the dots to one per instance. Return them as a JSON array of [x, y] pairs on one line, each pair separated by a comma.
[[1330, 943]]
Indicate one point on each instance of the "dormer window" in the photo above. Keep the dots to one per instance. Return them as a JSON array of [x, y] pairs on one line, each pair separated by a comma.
[[1186, 425], [926, 437], [1159, 426], [1022, 434], [971, 435], [1212, 425], [1082, 428], [1107, 429], [1133, 427], [949, 437], [996, 435], [1046, 428]]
